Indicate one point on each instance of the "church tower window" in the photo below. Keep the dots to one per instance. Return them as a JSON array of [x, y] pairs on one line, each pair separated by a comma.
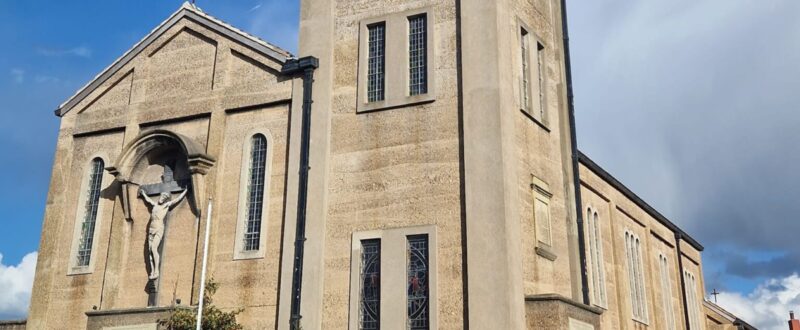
[[400, 292], [370, 296], [418, 54], [396, 60], [418, 282], [532, 80], [92, 202], [376, 62]]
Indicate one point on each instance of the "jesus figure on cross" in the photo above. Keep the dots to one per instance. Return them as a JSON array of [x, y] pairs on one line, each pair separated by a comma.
[[155, 231]]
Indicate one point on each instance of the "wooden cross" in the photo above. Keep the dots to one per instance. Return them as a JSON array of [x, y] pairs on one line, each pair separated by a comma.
[[168, 184], [715, 294]]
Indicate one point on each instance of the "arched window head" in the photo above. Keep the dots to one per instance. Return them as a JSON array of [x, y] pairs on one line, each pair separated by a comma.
[[89, 219]]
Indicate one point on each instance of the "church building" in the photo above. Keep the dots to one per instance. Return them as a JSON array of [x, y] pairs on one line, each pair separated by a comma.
[[414, 166]]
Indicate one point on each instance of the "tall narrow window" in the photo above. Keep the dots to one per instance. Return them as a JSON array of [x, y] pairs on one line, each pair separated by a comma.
[[532, 82], [636, 277], [596, 257], [691, 299], [255, 192], [525, 88], [86, 239], [666, 292], [540, 83], [418, 54], [376, 62], [370, 305], [418, 282]]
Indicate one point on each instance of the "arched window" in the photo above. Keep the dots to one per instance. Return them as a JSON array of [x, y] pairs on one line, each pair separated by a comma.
[[253, 196], [88, 213], [255, 192], [666, 292], [596, 258], [691, 297], [636, 277]]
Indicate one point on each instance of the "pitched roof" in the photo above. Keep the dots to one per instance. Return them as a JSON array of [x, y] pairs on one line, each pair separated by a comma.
[[186, 10]]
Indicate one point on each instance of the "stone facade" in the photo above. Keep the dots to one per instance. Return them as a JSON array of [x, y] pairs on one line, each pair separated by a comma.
[[466, 164]]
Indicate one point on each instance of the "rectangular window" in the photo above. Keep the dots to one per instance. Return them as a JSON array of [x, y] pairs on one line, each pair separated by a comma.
[[400, 292], [418, 282], [532, 81], [418, 54], [525, 82], [376, 62], [666, 292], [539, 110], [370, 295]]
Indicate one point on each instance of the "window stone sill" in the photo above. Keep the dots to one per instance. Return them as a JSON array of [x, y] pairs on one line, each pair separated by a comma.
[[546, 253], [396, 104]]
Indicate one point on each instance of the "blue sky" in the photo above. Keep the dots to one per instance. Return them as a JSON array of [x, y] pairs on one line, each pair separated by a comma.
[[691, 104]]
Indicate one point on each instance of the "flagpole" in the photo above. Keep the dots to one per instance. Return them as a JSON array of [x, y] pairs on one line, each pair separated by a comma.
[[203, 270]]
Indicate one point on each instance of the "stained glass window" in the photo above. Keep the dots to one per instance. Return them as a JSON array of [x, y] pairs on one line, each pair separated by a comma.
[[84, 252], [376, 62], [255, 189], [418, 283], [370, 307], [418, 54]]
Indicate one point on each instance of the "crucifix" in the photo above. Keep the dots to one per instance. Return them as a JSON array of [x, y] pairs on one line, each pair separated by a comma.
[[715, 294], [159, 212]]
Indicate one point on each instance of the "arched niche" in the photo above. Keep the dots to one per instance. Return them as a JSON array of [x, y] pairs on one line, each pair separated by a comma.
[[165, 151]]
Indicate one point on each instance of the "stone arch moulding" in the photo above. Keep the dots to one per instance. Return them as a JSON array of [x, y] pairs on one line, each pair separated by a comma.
[[198, 161]]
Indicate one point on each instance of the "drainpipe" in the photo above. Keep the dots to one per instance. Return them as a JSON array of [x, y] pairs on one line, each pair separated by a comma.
[[575, 155], [306, 67], [678, 238]]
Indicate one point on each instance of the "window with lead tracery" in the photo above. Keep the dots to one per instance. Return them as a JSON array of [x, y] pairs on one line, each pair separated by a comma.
[[418, 282], [370, 295], [418, 54], [376, 62], [88, 224], [255, 192]]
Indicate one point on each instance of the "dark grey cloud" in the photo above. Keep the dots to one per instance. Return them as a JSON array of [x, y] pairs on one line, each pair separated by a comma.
[[695, 106]]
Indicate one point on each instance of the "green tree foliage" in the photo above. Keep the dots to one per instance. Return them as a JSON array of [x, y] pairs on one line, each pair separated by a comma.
[[213, 317]]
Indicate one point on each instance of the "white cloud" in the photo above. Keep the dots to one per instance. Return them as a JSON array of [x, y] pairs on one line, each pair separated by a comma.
[[767, 306], [18, 75], [44, 79], [276, 22], [81, 51], [15, 287], [254, 7]]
